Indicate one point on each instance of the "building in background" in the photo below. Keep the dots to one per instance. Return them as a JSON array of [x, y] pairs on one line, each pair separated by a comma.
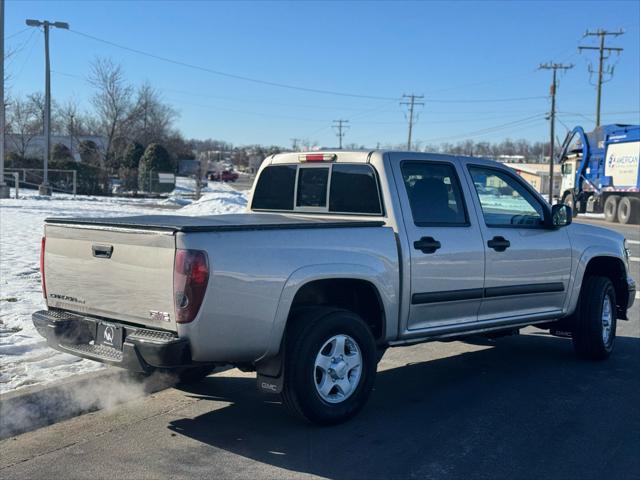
[[32, 146], [537, 175]]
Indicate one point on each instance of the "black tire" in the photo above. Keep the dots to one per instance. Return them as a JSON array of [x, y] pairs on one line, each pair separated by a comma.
[[305, 339], [569, 200], [628, 210], [611, 208], [588, 339]]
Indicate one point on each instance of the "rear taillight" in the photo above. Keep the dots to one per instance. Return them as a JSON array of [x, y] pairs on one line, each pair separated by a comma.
[[42, 278], [190, 278]]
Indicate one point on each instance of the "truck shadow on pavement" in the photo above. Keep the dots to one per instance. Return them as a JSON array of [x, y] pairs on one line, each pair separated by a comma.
[[523, 408]]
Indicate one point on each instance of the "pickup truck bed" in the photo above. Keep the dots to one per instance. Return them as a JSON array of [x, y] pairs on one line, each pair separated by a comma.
[[217, 223], [123, 268]]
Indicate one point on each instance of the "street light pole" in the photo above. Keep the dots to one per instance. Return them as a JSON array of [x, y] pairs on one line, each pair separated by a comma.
[[45, 189], [4, 189]]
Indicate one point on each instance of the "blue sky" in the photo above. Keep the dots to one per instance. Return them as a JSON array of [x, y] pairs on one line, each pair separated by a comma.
[[462, 56]]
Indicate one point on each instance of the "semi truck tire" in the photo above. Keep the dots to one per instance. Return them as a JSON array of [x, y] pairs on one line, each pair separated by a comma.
[[628, 210], [611, 208], [330, 366], [594, 332]]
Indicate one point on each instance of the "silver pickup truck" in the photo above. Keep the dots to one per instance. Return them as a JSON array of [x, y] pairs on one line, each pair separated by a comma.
[[340, 256]]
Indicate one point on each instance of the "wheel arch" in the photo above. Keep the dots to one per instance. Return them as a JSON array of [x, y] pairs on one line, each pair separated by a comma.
[[315, 282], [605, 265], [354, 294]]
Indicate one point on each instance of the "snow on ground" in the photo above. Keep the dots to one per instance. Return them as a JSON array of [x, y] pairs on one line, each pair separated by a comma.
[[24, 357], [220, 199]]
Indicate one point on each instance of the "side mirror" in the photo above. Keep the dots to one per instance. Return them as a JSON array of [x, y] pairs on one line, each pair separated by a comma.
[[561, 215]]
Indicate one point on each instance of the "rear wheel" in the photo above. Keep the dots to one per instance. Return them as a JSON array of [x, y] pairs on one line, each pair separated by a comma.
[[628, 210], [594, 332], [330, 366], [611, 208]]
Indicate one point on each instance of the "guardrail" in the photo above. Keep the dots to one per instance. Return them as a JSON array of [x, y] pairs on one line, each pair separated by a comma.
[[32, 177]]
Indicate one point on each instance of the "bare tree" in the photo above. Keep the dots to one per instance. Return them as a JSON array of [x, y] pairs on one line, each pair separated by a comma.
[[150, 119], [112, 101], [23, 123], [36, 100]]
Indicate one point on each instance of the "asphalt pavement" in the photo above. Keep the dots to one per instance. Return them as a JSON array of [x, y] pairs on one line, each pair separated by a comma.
[[514, 407]]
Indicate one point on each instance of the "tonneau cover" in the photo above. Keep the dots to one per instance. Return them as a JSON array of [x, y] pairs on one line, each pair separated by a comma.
[[215, 223]]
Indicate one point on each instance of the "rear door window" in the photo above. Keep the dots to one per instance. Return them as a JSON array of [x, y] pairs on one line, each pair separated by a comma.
[[434, 194], [354, 189]]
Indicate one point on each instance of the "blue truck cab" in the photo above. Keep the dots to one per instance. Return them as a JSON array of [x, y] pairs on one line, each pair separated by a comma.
[[600, 172]]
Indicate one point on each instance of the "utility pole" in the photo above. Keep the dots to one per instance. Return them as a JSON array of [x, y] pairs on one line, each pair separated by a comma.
[[602, 57], [340, 125], [554, 67], [294, 144], [4, 189], [411, 102], [45, 189], [71, 132]]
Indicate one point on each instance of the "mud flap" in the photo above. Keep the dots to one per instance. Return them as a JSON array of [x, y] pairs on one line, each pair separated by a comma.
[[268, 384], [270, 378], [560, 333]]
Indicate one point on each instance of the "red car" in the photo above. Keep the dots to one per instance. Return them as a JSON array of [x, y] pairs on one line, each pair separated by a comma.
[[228, 176]]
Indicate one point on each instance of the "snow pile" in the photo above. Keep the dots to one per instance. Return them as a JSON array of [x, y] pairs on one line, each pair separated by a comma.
[[215, 198], [219, 198], [24, 357]]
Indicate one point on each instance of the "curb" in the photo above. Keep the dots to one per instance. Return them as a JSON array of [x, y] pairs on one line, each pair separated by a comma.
[[35, 407]]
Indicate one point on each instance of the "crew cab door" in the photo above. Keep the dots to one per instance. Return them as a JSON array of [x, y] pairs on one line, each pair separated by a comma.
[[528, 264], [445, 244]]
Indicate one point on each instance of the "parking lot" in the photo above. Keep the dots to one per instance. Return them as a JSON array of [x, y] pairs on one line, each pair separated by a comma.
[[515, 407]]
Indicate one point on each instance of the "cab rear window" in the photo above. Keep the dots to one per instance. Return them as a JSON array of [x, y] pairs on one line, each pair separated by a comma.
[[275, 188], [312, 187], [337, 188], [354, 189]]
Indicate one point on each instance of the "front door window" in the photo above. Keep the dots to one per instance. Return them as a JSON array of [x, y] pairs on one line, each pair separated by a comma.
[[504, 200]]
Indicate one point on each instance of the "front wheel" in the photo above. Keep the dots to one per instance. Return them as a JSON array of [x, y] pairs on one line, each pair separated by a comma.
[[330, 366], [594, 333]]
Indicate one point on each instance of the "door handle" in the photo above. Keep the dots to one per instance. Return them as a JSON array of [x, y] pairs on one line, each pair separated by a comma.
[[427, 245], [102, 251], [499, 244]]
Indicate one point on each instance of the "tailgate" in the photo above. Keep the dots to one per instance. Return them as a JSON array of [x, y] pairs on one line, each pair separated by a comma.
[[118, 274]]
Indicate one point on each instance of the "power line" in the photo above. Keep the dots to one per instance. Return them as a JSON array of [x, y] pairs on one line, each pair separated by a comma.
[[231, 75], [601, 58], [19, 32], [496, 128], [340, 125], [284, 85], [488, 100], [552, 117], [411, 103]]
